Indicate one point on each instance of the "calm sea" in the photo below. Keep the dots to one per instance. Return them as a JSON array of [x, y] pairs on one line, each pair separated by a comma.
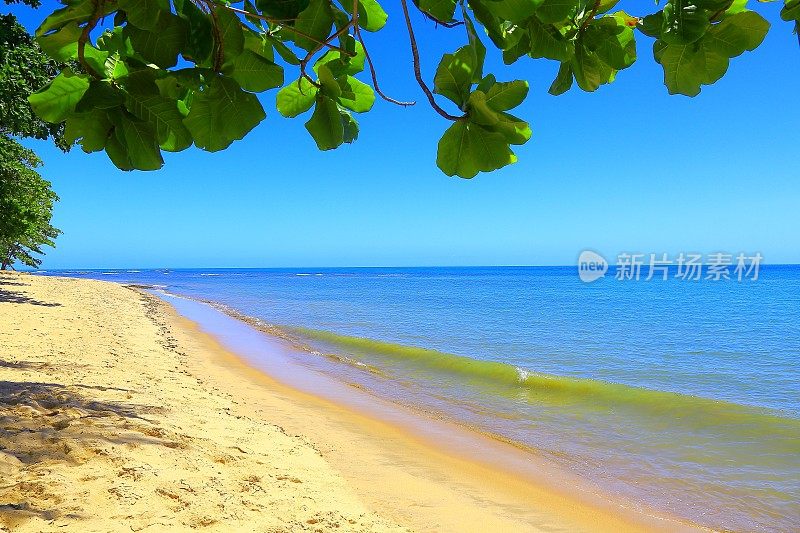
[[681, 395]]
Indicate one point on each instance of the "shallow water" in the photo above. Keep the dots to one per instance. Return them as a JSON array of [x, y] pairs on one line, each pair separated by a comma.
[[679, 395]]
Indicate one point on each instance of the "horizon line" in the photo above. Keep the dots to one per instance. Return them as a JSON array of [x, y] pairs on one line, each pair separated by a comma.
[[575, 265]]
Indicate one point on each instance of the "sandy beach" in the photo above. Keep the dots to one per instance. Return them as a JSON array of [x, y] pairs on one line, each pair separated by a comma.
[[116, 414]]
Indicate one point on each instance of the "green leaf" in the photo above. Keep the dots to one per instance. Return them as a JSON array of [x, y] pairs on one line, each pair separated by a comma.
[[510, 10], [688, 67], [221, 114], [547, 41], [737, 6], [255, 73], [283, 50], [589, 71], [611, 39], [503, 96], [99, 95], [57, 100], [341, 64], [454, 75], [199, 32], [520, 46], [90, 129], [476, 47], [486, 83], [231, 34], [160, 47], [791, 10], [140, 145], [563, 80], [514, 130], [163, 115], [552, 11], [494, 26], [62, 45], [284, 10], [651, 25], [115, 42], [325, 124], [684, 22], [258, 44], [467, 148], [606, 5], [479, 111], [350, 128], [293, 100], [441, 10], [739, 33], [143, 13], [371, 15], [115, 68], [684, 67], [328, 84], [118, 153], [356, 95], [315, 21], [714, 5], [77, 12]]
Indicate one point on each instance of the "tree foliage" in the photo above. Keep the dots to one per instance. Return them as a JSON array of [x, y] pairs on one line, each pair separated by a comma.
[[161, 76], [24, 68], [26, 205], [26, 200]]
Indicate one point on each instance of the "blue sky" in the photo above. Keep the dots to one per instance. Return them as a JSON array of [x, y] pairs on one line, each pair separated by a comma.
[[628, 168]]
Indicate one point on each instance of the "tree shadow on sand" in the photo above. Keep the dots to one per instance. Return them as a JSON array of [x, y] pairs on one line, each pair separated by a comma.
[[15, 297], [44, 424], [5, 281]]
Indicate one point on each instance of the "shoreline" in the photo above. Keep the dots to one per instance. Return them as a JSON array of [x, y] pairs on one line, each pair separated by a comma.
[[422, 487]]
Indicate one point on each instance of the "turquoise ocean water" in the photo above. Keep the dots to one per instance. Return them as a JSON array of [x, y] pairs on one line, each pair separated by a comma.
[[683, 396]]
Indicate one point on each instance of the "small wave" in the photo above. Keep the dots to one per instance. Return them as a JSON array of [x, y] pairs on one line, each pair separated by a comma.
[[302, 274], [109, 273], [523, 374], [133, 271], [564, 390], [210, 274]]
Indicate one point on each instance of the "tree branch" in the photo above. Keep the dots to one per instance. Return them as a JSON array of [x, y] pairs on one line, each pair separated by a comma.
[[417, 70], [290, 28], [311, 53], [357, 34], [357, 31], [591, 15], [84, 38], [219, 49]]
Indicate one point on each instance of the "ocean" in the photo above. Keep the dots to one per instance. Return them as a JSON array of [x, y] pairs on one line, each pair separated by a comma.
[[682, 396]]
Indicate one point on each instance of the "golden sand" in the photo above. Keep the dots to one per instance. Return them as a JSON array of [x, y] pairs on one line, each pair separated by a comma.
[[118, 415]]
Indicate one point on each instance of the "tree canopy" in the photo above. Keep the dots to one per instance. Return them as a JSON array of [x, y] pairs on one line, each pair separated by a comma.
[[158, 75], [24, 68], [26, 199], [26, 204]]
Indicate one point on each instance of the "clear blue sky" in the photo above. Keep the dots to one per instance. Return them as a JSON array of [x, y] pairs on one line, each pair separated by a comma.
[[628, 168]]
